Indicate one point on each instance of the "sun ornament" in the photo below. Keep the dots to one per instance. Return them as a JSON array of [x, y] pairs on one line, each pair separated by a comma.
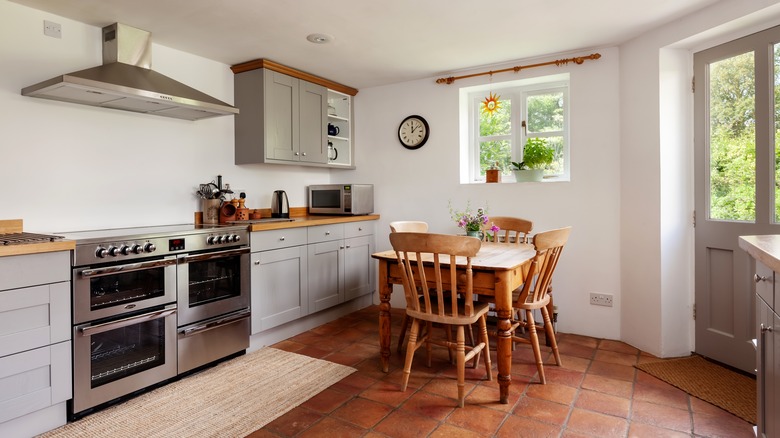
[[491, 104]]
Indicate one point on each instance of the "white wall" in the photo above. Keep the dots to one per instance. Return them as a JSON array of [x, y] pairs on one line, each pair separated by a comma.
[[656, 160], [71, 167], [418, 184]]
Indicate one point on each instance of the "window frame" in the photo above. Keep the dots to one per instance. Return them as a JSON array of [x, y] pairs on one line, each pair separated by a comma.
[[518, 91]]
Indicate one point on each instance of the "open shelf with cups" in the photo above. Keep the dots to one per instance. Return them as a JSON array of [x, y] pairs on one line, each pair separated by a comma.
[[339, 129]]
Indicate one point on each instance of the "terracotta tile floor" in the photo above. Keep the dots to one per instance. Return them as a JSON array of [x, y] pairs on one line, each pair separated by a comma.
[[596, 393]]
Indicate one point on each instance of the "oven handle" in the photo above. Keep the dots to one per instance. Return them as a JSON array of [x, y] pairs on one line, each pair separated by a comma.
[[127, 268], [200, 328], [124, 322], [213, 255]]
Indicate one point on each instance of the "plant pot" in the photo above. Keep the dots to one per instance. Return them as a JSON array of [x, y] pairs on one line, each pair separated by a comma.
[[527, 175], [477, 234]]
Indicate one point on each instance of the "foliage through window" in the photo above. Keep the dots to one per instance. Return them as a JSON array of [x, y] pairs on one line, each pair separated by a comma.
[[528, 109]]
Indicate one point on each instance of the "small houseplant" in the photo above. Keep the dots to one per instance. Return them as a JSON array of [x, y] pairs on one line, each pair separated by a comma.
[[536, 156]]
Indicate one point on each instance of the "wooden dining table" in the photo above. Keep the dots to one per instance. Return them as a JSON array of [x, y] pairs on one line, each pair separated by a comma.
[[498, 269]]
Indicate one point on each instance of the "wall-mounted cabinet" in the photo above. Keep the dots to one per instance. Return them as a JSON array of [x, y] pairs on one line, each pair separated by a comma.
[[290, 117]]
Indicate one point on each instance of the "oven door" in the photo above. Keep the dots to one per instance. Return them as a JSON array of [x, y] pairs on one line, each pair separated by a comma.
[[106, 292], [212, 284], [115, 358]]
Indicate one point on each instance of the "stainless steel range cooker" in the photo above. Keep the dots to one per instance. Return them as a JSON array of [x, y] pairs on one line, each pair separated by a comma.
[[152, 303]]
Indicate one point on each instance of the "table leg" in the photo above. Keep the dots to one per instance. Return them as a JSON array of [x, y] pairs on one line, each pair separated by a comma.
[[385, 290], [504, 343]]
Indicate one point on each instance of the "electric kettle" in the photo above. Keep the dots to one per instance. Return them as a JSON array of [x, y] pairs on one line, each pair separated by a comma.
[[280, 206]]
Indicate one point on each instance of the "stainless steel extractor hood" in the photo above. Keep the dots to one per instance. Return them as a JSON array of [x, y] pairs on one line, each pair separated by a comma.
[[126, 81]]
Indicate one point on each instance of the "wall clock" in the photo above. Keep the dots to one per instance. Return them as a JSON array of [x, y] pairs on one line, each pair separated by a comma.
[[413, 132]]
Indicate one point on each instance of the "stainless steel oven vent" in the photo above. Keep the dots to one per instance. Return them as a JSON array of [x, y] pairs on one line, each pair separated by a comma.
[[126, 81]]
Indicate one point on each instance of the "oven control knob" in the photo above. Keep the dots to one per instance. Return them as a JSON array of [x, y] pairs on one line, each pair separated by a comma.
[[211, 240], [227, 238], [149, 247], [218, 239], [101, 252], [236, 238], [136, 249], [113, 251]]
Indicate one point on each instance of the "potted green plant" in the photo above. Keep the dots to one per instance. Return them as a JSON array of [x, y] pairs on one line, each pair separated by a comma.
[[536, 156]]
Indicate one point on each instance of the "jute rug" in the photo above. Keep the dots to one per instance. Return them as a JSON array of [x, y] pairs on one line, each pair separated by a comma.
[[729, 390], [232, 399]]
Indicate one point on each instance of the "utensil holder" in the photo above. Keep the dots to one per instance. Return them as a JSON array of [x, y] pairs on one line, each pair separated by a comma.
[[210, 209]]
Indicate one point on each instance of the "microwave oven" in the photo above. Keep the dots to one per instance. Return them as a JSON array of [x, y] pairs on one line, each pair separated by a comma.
[[347, 199]]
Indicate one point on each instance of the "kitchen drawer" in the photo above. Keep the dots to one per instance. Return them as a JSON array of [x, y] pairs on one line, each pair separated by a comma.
[[325, 233], [33, 317], [275, 239], [34, 380], [356, 229], [30, 270]]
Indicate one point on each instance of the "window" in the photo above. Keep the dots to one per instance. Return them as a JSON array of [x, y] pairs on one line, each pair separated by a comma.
[[528, 108]]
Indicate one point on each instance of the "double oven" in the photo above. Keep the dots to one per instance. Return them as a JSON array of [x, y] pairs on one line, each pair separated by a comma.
[[152, 303]]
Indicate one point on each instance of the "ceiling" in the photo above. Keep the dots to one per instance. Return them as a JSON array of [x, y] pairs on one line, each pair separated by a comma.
[[379, 42]]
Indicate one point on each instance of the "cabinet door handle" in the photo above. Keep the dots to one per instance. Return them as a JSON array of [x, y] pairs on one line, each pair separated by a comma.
[[296, 154], [304, 154], [341, 247], [327, 233], [759, 278], [257, 262], [348, 246], [766, 328], [281, 239]]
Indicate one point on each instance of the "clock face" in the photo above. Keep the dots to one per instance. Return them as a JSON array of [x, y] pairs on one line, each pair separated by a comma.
[[413, 132]]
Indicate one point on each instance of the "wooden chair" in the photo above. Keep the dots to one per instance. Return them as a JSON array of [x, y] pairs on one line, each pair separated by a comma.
[[533, 295], [443, 308], [407, 227], [512, 230]]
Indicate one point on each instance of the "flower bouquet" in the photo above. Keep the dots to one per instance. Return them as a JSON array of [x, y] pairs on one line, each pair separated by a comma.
[[472, 222]]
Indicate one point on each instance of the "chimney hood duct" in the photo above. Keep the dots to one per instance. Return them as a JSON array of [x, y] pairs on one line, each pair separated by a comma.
[[126, 81]]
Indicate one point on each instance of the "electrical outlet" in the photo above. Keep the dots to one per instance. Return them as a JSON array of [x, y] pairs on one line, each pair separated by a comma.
[[52, 29], [601, 300]]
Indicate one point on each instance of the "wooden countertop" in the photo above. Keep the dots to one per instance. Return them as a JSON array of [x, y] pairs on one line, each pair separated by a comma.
[[308, 221], [765, 249], [16, 226]]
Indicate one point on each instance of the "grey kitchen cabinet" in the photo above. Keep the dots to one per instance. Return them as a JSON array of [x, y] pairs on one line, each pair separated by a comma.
[[767, 352], [284, 116], [340, 264], [278, 278], [303, 270], [282, 119], [35, 342]]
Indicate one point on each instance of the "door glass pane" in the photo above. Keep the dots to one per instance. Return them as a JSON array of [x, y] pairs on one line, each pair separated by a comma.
[[777, 130], [495, 129], [123, 288], [214, 280], [732, 148], [545, 112], [126, 351]]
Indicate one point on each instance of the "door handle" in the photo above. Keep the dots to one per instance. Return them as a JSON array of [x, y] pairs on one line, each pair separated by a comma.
[[758, 278]]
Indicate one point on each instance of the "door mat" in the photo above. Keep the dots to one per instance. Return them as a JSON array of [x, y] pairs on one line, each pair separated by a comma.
[[232, 399], [713, 383]]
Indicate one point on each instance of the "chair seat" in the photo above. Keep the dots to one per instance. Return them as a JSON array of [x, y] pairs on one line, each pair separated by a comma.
[[447, 318]]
